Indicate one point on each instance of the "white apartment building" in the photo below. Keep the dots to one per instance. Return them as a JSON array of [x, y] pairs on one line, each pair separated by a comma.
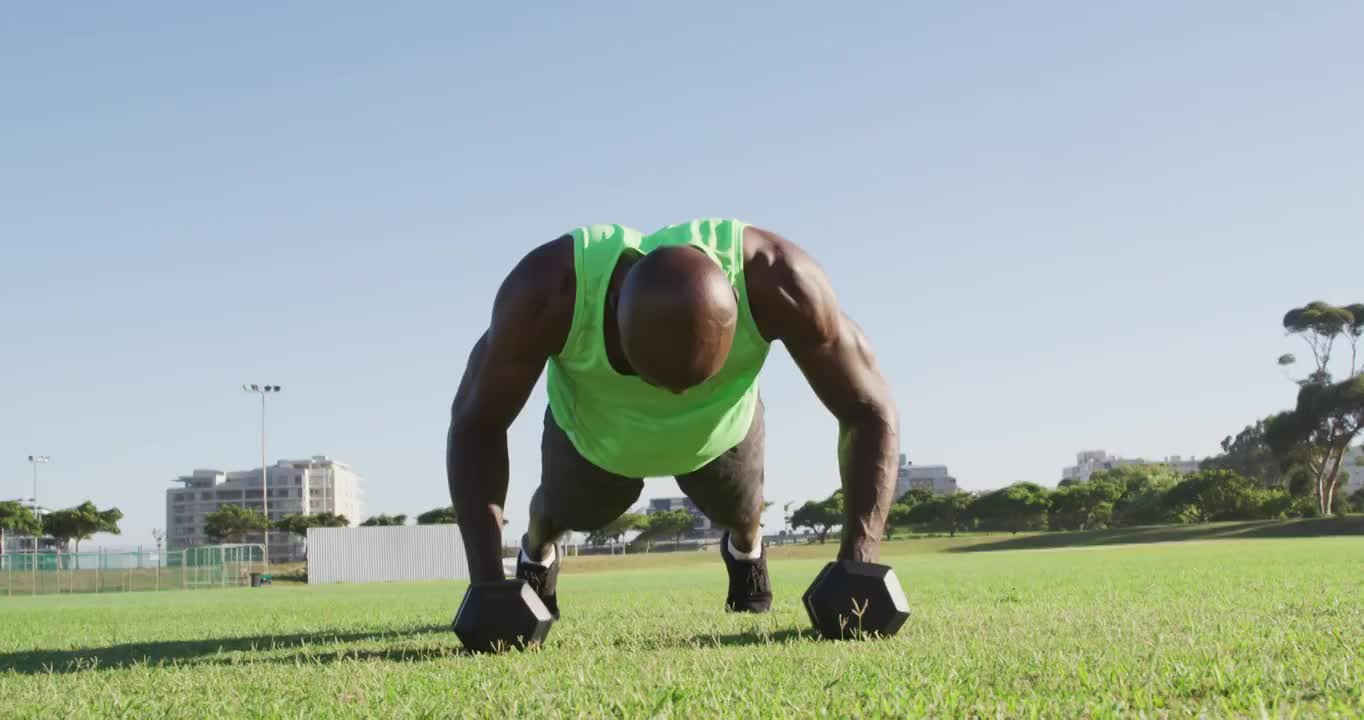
[[933, 478], [308, 487], [21, 544], [1353, 468], [1090, 461], [13, 543]]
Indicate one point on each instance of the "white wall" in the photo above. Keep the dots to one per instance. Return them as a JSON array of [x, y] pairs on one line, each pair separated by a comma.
[[385, 554]]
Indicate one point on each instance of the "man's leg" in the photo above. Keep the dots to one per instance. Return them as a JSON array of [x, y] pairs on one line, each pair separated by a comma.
[[574, 494], [729, 490]]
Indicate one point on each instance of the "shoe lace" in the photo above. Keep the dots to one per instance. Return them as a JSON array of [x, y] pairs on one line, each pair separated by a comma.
[[534, 577], [757, 578]]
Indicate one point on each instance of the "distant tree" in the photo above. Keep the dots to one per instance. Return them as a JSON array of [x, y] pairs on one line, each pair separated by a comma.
[[439, 516], [835, 501], [943, 512], [1327, 419], [1278, 503], [914, 496], [1085, 506], [1356, 500], [1300, 479], [331, 520], [820, 516], [298, 524], [613, 530], [1019, 507], [1320, 325], [81, 523], [669, 523], [1249, 453], [382, 520], [1143, 489], [1210, 495], [1329, 415], [232, 523], [64, 526], [900, 510], [1135, 477], [17, 518], [896, 517]]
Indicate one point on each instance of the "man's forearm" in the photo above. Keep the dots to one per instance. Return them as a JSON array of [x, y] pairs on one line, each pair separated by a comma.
[[868, 449], [476, 468]]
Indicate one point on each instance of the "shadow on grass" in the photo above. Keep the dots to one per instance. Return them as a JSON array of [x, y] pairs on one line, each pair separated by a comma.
[[779, 637], [43, 662], [713, 640], [397, 655], [430, 653], [1323, 527]]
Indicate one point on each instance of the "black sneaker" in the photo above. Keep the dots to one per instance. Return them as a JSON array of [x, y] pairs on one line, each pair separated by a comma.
[[543, 580], [749, 588]]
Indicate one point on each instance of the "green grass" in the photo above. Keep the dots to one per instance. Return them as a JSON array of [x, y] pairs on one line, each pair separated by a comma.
[[1240, 627]]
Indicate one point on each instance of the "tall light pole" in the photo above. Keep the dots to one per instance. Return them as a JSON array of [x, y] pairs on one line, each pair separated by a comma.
[[263, 391], [160, 536], [37, 460]]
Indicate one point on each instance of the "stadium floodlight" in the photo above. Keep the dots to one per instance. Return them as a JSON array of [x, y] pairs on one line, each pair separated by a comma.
[[262, 391], [37, 460]]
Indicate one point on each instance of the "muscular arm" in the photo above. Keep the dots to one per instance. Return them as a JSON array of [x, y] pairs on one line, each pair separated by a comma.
[[526, 328], [793, 302]]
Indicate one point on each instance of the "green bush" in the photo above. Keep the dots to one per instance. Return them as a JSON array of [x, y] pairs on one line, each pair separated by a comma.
[[1215, 495], [1355, 501], [1277, 504]]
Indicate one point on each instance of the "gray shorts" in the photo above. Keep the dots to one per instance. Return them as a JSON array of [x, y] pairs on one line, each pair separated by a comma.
[[577, 495]]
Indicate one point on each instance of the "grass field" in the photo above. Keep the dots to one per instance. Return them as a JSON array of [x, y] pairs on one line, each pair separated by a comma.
[[1231, 627]]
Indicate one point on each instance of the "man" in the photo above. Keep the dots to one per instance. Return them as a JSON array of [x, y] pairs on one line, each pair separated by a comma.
[[654, 344]]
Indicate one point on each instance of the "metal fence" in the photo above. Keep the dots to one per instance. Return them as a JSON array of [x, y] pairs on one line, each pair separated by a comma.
[[380, 554], [210, 566]]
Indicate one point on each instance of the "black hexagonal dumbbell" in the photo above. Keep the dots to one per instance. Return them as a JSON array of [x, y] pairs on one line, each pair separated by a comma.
[[851, 599], [501, 615]]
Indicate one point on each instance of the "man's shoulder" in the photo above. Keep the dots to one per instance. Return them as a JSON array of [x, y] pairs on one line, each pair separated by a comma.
[[547, 261], [539, 291], [788, 292]]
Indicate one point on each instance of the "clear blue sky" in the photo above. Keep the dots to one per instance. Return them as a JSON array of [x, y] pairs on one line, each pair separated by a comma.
[[1064, 225]]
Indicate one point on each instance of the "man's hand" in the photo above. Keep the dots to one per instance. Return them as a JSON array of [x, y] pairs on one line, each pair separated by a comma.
[[528, 325], [793, 302]]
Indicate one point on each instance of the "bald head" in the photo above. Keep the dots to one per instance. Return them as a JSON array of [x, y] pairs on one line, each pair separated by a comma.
[[677, 313]]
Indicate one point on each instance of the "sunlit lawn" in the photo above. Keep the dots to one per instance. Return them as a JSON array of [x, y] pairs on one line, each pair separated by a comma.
[[1224, 628]]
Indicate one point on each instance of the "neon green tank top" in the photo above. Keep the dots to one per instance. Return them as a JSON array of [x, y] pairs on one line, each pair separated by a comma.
[[619, 422]]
